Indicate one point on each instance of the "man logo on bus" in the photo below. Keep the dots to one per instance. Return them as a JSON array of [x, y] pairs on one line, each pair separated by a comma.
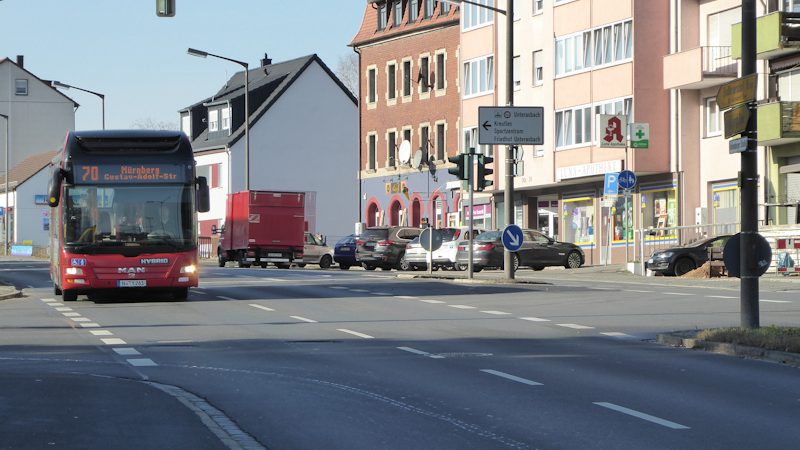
[[613, 130], [130, 270]]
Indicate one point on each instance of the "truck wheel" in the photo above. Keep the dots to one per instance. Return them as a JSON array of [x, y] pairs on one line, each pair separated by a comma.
[[242, 262], [69, 295], [180, 293], [325, 262], [221, 258]]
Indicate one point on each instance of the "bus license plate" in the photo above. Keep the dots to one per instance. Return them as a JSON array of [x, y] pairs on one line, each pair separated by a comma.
[[132, 283], [275, 255]]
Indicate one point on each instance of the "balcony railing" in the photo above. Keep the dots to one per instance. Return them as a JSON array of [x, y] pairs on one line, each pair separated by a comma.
[[717, 61], [699, 68]]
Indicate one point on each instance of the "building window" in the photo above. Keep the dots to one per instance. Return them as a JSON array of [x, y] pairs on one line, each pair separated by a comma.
[[186, 125], [407, 135], [659, 210], [429, 6], [406, 78], [440, 71], [579, 220], [372, 152], [471, 141], [424, 141], [712, 118], [791, 5], [226, 118], [391, 149], [515, 70], [382, 16], [21, 86], [538, 68], [605, 45], [573, 126], [397, 12], [440, 141], [424, 74], [392, 81], [371, 85], [413, 11], [538, 6], [444, 8], [213, 120], [573, 53], [477, 15], [479, 76]]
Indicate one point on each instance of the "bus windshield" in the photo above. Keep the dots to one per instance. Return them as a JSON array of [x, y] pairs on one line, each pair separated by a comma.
[[149, 217]]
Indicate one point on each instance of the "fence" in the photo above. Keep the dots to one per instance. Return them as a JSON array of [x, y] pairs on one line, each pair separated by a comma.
[[205, 248], [650, 240], [788, 256]]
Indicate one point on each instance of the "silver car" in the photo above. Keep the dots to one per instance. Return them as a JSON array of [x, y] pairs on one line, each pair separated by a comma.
[[316, 251]]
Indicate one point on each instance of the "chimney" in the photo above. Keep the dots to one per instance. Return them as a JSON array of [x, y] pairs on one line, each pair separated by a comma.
[[21, 61], [266, 61]]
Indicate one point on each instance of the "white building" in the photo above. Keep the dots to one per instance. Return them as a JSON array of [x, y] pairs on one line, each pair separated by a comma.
[[29, 220]]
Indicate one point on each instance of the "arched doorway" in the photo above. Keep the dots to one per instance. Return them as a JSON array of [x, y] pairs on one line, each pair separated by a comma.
[[394, 213], [372, 215], [416, 212]]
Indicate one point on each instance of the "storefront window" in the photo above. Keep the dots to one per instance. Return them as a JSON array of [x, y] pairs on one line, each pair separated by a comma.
[[579, 223], [660, 211], [622, 217]]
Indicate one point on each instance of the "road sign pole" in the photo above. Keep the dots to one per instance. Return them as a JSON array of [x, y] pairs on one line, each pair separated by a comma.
[[508, 196], [625, 213], [471, 218]]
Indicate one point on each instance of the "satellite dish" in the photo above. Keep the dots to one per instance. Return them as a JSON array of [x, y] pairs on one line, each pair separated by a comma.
[[417, 158], [405, 152]]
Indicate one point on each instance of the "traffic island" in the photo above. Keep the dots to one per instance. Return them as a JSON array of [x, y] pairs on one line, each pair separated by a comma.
[[689, 339]]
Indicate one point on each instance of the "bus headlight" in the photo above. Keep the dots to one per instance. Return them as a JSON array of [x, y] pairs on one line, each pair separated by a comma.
[[189, 269], [74, 271]]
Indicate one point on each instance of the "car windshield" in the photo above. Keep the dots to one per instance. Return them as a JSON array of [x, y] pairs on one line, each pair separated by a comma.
[[347, 240], [488, 236], [450, 234], [701, 242], [375, 233]]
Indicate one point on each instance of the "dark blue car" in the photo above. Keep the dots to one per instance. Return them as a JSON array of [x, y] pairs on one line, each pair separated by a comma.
[[344, 252]]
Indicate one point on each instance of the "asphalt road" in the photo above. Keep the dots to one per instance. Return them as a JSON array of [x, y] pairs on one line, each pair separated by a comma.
[[308, 359]]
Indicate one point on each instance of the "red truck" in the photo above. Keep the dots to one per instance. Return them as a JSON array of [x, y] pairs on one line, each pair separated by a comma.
[[263, 227]]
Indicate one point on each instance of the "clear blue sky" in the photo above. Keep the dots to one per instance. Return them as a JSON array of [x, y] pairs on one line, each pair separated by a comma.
[[138, 61]]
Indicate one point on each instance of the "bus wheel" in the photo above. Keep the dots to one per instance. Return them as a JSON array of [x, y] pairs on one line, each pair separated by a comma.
[[69, 295], [56, 289], [180, 293]]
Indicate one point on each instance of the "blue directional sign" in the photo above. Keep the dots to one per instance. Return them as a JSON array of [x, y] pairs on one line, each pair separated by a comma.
[[611, 186], [512, 237], [627, 179]]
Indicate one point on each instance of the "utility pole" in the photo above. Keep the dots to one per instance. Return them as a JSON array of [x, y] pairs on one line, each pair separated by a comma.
[[508, 194]]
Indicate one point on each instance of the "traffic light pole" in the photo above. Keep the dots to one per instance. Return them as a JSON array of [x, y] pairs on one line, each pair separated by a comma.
[[508, 195], [470, 182]]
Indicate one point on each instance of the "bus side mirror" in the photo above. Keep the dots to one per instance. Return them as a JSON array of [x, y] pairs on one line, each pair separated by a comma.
[[203, 196], [54, 188]]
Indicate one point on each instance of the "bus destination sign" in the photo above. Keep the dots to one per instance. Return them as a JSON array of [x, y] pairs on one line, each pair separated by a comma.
[[129, 173]]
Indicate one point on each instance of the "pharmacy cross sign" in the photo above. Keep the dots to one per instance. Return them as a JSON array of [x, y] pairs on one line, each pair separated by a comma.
[[640, 135]]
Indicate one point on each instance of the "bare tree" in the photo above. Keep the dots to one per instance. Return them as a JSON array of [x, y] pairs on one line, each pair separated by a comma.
[[347, 71], [151, 124]]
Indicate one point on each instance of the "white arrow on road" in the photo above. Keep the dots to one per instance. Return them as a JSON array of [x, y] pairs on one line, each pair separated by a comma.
[[512, 238]]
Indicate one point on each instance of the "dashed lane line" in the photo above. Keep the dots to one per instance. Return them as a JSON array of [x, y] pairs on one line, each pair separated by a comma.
[[575, 326], [675, 293], [775, 301], [433, 302], [359, 290], [355, 333], [462, 307], [497, 313], [420, 352], [71, 314], [89, 325], [141, 362], [511, 377], [406, 297], [261, 307], [126, 351], [113, 341], [80, 319], [101, 332], [63, 309], [637, 290], [719, 296], [535, 319], [643, 416], [225, 298], [616, 334], [383, 294], [301, 318]]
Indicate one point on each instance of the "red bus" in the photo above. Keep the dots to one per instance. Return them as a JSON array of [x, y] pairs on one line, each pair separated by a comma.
[[123, 213]]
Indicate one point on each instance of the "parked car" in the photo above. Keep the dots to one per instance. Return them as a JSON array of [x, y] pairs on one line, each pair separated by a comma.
[[344, 252], [416, 257], [444, 257], [385, 247], [316, 251], [684, 259], [537, 252]]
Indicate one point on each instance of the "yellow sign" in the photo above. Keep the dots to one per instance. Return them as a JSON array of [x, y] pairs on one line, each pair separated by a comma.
[[736, 120], [738, 91]]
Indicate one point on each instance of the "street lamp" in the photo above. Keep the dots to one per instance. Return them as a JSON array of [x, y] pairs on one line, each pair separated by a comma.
[[508, 194], [102, 97], [202, 54], [5, 213]]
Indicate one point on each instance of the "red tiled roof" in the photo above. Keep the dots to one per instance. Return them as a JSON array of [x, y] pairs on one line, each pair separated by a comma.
[[369, 24], [29, 167]]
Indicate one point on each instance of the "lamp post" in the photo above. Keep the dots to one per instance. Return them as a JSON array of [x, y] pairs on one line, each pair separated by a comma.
[[202, 54], [5, 213], [508, 193], [102, 97]]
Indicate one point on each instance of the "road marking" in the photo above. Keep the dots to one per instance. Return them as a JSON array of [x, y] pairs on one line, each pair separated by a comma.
[[261, 307], [55, 304], [71, 314], [719, 296], [64, 308], [775, 301], [636, 290], [511, 377], [575, 326], [420, 352], [382, 293], [406, 297], [126, 351], [359, 290], [47, 300], [142, 362], [643, 416], [675, 293], [432, 301], [355, 333], [497, 313], [89, 325], [80, 319], [101, 332], [303, 319], [462, 307], [225, 298], [113, 341], [338, 287], [535, 319], [617, 334]]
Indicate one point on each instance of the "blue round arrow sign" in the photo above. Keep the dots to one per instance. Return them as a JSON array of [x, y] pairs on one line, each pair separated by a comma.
[[627, 179], [512, 237]]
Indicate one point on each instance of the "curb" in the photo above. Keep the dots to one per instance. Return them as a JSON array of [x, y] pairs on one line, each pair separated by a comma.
[[687, 340], [471, 281], [10, 294]]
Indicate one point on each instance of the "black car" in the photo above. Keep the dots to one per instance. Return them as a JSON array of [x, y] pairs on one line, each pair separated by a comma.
[[344, 252], [537, 252], [384, 247], [681, 260]]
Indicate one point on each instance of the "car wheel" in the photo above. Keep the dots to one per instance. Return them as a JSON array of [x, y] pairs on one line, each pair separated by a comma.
[[573, 260], [284, 265], [538, 268], [460, 267], [476, 268], [369, 267], [221, 261], [684, 266], [403, 264], [344, 266], [301, 265], [325, 262], [263, 265], [69, 295], [180, 293]]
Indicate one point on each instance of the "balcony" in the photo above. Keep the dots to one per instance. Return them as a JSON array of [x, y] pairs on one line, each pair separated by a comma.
[[777, 34], [778, 123], [699, 68]]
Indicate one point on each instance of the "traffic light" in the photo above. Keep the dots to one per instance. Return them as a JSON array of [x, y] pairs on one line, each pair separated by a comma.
[[165, 8], [483, 172], [460, 170]]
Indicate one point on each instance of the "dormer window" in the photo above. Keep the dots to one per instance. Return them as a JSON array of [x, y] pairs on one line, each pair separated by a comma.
[[429, 6], [213, 120], [226, 119], [398, 12], [382, 16]]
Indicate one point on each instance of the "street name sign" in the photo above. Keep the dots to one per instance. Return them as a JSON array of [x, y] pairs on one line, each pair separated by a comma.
[[511, 125], [735, 120], [736, 92], [738, 145]]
